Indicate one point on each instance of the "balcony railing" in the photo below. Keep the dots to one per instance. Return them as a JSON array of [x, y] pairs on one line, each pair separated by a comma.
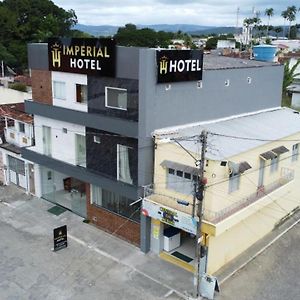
[[262, 191], [287, 175]]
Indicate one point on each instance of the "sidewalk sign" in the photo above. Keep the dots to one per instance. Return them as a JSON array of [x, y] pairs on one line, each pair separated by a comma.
[[60, 238]]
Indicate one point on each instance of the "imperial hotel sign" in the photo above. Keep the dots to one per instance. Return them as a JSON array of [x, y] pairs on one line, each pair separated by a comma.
[[85, 56]]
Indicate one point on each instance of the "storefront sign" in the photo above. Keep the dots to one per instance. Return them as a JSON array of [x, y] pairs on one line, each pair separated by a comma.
[[85, 56], [179, 65], [170, 216], [60, 238]]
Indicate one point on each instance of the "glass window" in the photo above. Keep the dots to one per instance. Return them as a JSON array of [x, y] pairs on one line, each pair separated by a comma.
[[114, 202], [116, 98], [234, 182], [295, 152], [81, 93], [124, 158], [274, 164], [178, 182], [22, 127], [59, 90]]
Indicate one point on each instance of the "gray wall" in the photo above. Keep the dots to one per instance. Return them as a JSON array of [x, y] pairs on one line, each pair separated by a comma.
[[185, 103]]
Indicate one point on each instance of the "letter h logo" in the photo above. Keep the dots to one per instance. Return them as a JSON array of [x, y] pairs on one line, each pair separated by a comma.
[[56, 55], [163, 65]]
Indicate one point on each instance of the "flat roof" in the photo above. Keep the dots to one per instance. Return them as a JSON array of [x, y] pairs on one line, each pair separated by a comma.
[[237, 134]]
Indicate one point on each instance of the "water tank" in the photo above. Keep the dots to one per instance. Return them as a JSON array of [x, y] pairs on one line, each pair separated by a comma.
[[264, 52]]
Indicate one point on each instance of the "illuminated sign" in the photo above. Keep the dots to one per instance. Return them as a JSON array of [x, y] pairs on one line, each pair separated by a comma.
[[179, 65], [85, 56]]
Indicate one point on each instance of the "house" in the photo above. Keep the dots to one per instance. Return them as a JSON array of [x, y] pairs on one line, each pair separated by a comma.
[[251, 167], [16, 130], [96, 105]]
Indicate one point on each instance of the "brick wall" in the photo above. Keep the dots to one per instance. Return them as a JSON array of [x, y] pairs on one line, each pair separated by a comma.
[[110, 222], [41, 86]]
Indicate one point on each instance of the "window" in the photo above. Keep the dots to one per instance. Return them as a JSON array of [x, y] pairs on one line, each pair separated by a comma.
[[274, 164], [116, 98], [97, 139], [295, 152], [234, 182], [59, 90], [65, 130], [114, 202], [124, 154], [180, 181], [81, 93], [227, 82], [21, 127]]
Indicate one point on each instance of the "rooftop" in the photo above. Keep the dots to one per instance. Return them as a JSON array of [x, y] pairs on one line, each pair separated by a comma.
[[237, 134], [15, 111]]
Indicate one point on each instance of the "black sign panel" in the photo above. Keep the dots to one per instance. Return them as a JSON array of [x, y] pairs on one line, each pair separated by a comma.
[[179, 65], [60, 238], [85, 56]]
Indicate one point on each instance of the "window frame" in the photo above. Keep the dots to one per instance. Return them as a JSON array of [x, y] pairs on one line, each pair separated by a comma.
[[106, 98], [54, 82], [23, 125], [77, 87], [118, 163]]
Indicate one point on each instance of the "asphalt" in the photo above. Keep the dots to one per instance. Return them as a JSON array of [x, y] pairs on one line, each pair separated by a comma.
[[97, 265]]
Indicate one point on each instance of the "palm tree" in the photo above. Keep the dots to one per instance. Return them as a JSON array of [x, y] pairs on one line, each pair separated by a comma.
[[248, 23], [284, 14], [270, 13], [278, 29], [289, 74], [291, 16]]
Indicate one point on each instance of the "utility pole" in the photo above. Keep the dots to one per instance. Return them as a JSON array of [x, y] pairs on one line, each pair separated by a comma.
[[199, 195], [2, 68]]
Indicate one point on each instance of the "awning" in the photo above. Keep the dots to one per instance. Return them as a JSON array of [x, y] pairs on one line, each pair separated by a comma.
[[176, 166], [268, 155], [244, 166], [280, 150]]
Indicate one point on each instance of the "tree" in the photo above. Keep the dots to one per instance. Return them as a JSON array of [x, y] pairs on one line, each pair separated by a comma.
[[278, 29], [270, 13], [23, 21], [284, 14], [289, 75], [290, 15]]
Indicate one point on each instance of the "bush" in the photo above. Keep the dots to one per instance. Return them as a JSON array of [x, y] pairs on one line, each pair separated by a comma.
[[18, 86]]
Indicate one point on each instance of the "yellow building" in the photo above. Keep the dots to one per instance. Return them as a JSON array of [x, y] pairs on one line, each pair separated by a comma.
[[252, 168]]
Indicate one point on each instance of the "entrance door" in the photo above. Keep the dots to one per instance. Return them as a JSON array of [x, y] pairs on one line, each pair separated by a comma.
[[17, 173], [47, 140], [31, 179]]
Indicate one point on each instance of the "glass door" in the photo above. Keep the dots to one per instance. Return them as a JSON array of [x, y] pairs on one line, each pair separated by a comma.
[[80, 150], [47, 140]]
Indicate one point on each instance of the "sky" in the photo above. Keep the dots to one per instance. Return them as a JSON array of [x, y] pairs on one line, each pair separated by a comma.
[[198, 12]]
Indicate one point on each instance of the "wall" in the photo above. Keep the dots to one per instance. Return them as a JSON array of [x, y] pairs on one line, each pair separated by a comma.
[[71, 80], [102, 158], [112, 223], [8, 96], [41, 86], [63, 144]]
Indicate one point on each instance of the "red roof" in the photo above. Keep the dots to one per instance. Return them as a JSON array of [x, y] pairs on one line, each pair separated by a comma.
[[15, 111]]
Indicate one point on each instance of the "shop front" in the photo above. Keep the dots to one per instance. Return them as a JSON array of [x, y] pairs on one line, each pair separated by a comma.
[[64, 191], [173, 234]]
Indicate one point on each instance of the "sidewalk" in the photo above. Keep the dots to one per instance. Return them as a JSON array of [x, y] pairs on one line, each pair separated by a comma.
[[30, 216]]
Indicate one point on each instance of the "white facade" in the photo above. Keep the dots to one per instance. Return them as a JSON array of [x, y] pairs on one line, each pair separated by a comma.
[[69, 98], [62, 143]]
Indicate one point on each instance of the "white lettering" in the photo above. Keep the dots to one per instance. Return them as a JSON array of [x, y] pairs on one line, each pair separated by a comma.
[[172, 67], [98, 65], [80, 63], [193, 67], [198, 66], [188, 62], [93, 64], [180, 66], [72, 62], [86, 63]]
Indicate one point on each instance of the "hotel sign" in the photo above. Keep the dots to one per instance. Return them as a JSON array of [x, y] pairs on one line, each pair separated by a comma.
[[86, 56], [170, 216], [179, 65]]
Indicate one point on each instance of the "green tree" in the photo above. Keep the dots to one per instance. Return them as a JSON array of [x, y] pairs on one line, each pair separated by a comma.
[[23, 21], [278, 29], [289, 74], [270, 13]]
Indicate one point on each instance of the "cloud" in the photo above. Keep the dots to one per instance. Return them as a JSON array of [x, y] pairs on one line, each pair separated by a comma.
[[204, 12]]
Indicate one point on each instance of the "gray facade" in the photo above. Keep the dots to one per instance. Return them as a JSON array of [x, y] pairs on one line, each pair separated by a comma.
[[250, 86]]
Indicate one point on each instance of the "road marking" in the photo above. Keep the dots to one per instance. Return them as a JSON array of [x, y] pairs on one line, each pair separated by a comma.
[[105, 254], [259, 252]]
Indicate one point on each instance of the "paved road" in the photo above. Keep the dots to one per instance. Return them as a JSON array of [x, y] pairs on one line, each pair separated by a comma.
[[273, 275], [94, 266]]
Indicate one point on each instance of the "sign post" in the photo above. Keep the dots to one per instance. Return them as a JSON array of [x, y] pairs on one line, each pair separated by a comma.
[[60, 238]]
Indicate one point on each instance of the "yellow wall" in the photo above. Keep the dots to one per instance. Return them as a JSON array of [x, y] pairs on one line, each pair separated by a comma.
[[240, 230]]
